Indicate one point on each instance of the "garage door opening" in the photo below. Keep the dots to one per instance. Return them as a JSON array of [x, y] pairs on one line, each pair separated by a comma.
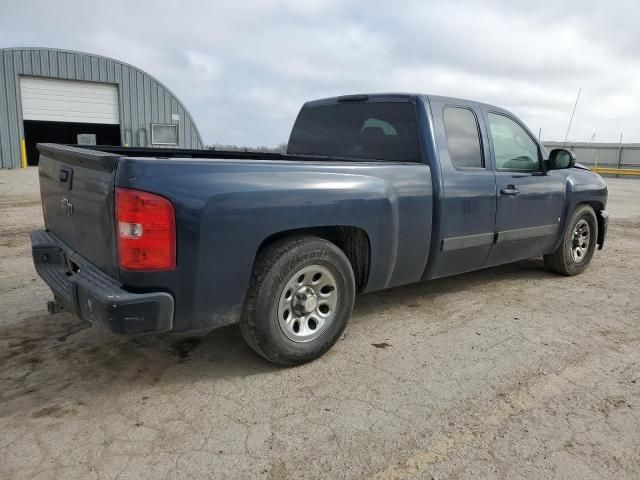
[[58, 111], [63, 132]]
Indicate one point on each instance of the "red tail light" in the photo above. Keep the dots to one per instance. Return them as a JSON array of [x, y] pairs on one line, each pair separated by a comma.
[[146, 229]]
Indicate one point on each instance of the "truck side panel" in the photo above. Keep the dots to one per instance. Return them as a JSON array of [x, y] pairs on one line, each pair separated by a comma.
[[225, 210], [581, 186]]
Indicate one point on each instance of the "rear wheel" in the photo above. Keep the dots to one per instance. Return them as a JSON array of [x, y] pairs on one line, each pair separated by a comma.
[[578, 243], [301, 297]]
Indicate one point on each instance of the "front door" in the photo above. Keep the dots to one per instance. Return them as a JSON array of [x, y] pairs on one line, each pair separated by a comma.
[[529, 201]]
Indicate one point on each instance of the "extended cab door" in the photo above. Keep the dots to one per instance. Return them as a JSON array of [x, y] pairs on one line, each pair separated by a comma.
[[467, 206], [529, 201]]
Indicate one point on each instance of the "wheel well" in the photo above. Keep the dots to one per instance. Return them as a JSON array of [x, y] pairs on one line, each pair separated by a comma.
[[597, 208], [353, 241]]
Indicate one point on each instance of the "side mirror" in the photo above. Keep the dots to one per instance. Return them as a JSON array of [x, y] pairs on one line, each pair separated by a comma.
[[560, 158]]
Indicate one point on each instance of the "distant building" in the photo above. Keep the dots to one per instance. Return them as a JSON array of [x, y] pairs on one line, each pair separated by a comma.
[[60, 96]]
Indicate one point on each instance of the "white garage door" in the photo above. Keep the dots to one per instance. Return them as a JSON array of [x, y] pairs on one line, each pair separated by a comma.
[[52, 100]]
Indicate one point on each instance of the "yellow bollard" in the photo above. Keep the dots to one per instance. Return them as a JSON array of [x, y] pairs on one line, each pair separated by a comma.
[[23, 154]]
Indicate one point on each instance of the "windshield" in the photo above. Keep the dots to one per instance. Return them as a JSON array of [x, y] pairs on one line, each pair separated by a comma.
[[363, 130]]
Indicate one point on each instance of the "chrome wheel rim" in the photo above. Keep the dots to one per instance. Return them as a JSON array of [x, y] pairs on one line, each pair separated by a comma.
[[307, 304], [580, 241]]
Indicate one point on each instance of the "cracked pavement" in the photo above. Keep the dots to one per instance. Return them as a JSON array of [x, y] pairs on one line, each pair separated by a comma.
[[511, 372]]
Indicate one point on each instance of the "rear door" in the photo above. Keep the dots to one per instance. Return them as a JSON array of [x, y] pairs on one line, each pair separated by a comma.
[[468, 205], [529, 201], [77, 190]]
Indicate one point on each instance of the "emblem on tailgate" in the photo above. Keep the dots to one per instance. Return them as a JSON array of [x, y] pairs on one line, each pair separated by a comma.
[[67, 206]]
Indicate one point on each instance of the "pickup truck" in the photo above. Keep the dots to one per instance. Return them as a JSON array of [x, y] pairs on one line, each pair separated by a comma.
[[375, 191]]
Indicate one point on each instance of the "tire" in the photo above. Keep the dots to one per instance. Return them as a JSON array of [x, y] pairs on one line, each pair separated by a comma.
[[321, 309], [572, 256]]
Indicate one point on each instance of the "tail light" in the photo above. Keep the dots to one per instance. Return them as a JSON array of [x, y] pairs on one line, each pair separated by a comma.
[[146, 231]]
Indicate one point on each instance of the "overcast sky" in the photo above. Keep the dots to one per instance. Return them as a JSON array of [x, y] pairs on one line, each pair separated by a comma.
[[243, 68]]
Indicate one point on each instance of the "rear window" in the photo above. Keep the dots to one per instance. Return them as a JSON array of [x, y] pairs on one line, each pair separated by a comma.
[[463, 138], [366, 130]]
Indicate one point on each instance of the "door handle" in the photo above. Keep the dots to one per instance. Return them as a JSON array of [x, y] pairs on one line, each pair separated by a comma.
[[66, 176], [510, 190]]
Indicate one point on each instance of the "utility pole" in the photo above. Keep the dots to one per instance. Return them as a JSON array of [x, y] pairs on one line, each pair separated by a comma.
[[620, 152], [571, 119]]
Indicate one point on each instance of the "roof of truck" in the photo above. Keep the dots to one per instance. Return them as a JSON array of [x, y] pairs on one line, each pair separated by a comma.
[[390, 97]]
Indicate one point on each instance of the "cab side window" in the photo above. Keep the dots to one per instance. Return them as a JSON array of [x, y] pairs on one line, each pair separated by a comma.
[[463, 140], [513, 147]]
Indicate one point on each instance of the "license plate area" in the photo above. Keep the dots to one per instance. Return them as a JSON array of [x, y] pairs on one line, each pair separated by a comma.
[[73, 267]]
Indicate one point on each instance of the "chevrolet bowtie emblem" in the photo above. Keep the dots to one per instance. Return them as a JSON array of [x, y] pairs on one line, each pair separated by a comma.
[[67, 206]]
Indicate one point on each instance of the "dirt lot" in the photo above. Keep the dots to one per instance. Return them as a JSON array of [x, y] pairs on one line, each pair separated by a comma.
[[509, 372]]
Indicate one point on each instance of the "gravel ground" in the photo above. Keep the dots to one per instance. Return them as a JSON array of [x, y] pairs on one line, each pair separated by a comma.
[[511, 372]]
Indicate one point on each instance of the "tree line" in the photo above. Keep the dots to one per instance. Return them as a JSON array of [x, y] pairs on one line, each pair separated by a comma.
[[280, 148]]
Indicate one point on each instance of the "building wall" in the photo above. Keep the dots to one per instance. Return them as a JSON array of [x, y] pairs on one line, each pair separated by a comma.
[[143, 99], [616, 155]]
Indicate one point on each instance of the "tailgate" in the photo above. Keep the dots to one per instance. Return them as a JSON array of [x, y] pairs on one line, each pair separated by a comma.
[[77, 190]]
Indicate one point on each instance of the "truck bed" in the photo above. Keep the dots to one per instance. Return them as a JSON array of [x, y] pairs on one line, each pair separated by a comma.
[[227, 204], [183, 153], [211, 154]]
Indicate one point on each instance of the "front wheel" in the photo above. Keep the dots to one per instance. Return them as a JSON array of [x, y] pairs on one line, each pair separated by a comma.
[[578, 243], [300, 299]]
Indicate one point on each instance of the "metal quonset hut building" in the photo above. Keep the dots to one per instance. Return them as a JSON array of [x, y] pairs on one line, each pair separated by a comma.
[[61, 96]]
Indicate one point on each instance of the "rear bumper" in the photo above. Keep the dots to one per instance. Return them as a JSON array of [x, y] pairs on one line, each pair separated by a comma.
[[83, 289]]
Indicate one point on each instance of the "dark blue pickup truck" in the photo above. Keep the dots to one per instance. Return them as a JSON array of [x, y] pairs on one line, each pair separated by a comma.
[[375, 191]]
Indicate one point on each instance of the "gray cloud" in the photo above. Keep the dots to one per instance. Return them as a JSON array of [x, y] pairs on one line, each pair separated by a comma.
[[244, 68]]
